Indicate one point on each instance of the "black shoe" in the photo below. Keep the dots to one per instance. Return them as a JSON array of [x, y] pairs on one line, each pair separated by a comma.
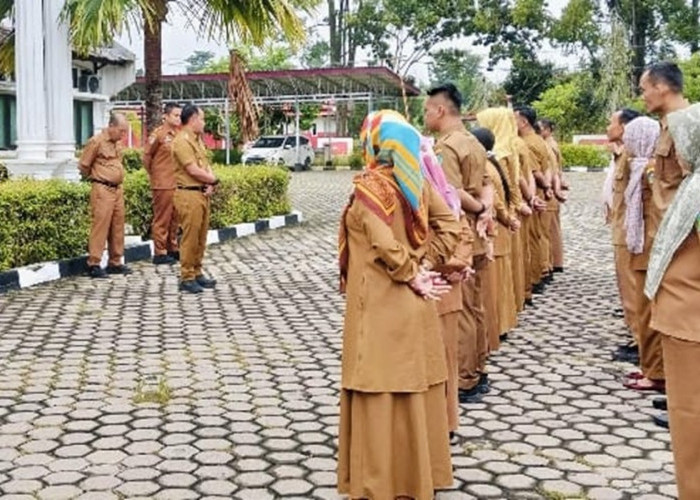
[[660, 404], [119, 270], [548, 278], [205, 282], [661, 420], [159, 260], [529, 302], [558, 269], [454, 440], [470, 396], [538, 289], [484, 386], [96, 272], [174, 255], [191, 286], [503, 337]]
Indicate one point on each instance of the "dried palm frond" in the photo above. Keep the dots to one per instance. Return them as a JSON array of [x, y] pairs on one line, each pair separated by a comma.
[[241, 96]]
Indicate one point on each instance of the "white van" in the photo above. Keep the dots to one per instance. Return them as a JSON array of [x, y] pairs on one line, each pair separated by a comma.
[[280, 150]]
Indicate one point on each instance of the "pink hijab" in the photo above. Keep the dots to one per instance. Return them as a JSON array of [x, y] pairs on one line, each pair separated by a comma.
[[639, 139], [432, 170]]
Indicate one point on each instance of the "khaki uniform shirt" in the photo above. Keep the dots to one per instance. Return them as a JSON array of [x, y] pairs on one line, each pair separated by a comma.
[[464, 162], [619, 207], [675, 309], [540, 154], [158, 158], [102, 159], [187, 149], [392, 337]]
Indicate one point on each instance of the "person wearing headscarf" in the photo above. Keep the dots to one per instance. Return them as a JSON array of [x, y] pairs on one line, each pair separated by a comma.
[[673, 274], [640, 225], [393, 436], [501, 310], [614, 205], [501, 122]]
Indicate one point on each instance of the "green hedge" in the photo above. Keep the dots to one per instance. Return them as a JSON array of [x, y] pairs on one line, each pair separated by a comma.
[[584, 155], [244, 195], [42, 220], [50, 220]]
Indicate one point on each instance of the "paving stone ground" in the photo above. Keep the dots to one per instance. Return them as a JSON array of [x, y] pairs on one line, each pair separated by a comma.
[[124, 388]]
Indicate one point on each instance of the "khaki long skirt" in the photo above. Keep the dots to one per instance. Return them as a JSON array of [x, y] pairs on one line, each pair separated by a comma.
[[393, 444], [507, 309], [518, 270]]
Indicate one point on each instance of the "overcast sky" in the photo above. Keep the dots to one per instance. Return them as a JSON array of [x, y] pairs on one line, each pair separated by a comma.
[[179, 42]]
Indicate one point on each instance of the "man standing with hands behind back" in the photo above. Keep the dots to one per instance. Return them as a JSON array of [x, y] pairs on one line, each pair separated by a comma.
[[158, 162], [195, 184], [101, 164]]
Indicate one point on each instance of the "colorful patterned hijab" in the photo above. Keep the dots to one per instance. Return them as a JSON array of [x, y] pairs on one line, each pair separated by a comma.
[[639, 139], [393, 175], [389, 140], [682, 216], [433, 172]]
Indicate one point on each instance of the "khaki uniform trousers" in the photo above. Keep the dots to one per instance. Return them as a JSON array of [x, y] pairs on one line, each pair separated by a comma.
[[535, 265], [193, 212], [626, 287], [650, 353], [107, 208], [546, 220], [557, 241], [165, 223], [450, 336], [525, 239], [683, 391], [473, 335]]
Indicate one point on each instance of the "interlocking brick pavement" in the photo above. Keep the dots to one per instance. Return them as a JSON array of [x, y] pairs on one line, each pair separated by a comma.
[[248, 374]]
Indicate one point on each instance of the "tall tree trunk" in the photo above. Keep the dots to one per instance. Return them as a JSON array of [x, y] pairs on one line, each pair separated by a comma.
[[335, 45], [153, 65], [695, 43]]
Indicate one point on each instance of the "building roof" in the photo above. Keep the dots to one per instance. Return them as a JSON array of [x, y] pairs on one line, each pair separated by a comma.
[[109, 54], [283, 86]]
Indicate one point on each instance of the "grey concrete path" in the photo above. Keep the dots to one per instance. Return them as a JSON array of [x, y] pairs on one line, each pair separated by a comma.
[[124, 388]]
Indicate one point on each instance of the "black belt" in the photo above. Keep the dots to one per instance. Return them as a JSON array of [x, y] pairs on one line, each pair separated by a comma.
[[193, 188], [105, 183]]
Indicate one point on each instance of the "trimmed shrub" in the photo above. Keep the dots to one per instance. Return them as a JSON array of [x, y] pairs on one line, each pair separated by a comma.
[[584, 155], [245, 194], [4, 173], [42, 220], [50, 220], [133, 159]]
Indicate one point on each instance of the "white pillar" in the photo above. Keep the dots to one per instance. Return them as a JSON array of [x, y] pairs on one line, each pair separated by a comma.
[[59, 83], [29, 75]]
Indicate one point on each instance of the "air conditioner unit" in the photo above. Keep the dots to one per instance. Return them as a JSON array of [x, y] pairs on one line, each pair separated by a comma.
[[94, 84], [89, 83]]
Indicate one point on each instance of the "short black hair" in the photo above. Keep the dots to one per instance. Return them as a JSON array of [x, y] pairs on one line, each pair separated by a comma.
[[547, 123], [668, 73], [170, 106], [450, 92], [188, 112], [627, 115], [529, 114]]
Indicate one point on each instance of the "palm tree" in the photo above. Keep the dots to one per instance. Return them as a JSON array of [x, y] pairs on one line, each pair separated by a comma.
[[233, 21], [97, 22]]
